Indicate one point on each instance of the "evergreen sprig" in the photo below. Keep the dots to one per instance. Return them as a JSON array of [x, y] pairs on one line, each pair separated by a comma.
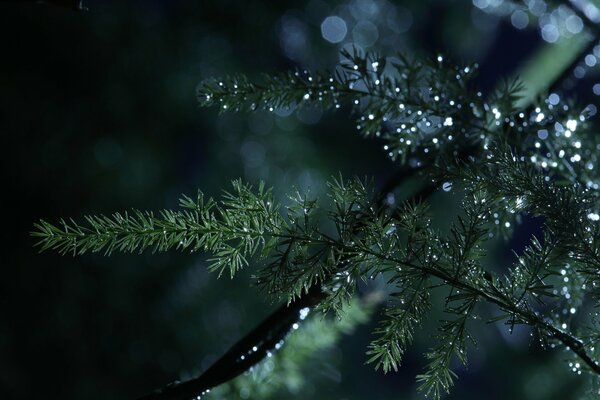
[[364, 247], [504, 161], [241, 225], [413, 104]]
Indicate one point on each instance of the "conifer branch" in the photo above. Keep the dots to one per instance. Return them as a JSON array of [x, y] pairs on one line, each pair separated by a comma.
[[375, 247], [242, 356], [503, 160], [410, 103], [512, 135]]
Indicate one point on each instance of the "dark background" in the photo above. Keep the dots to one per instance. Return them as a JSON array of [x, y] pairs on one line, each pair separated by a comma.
[[98, 114]]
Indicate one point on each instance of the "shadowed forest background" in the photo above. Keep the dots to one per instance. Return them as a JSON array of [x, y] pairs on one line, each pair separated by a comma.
[[98, 113]]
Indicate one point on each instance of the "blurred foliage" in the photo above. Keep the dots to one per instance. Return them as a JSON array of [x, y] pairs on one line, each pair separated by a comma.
[[308, 347]]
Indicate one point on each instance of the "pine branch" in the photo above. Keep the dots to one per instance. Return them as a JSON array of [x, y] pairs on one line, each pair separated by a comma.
[[412, 104], [372, 248], [425, 111], [243, 224]]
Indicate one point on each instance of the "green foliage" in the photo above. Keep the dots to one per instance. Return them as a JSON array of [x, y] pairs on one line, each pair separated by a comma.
[[412, 104], [438, 376], [241, 225], [505, 162], [396, 331], [281, 375]]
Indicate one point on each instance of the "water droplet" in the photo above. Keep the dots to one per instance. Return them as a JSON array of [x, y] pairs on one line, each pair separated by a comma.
[[391, 230], [304, 312]]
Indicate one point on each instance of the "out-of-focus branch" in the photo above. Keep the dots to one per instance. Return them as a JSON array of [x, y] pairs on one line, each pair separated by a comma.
[[247, 352]]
